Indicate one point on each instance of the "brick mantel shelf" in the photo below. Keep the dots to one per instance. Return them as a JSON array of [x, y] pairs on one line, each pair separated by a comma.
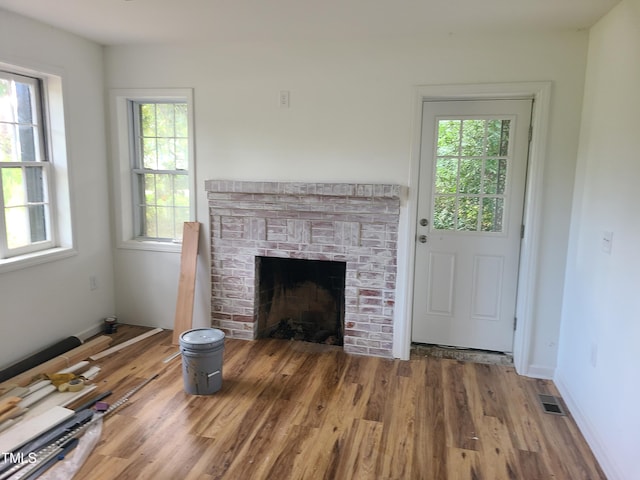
[[345, 222]]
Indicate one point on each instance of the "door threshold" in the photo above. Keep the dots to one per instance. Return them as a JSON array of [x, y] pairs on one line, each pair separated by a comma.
[[462, 354]]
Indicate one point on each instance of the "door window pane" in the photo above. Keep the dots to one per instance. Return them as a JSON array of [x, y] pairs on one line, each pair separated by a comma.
[[468, 210], [473, 137], [492, 214], [444, 215], [446, 175], [471, 173], [449, 137], [495, 176]]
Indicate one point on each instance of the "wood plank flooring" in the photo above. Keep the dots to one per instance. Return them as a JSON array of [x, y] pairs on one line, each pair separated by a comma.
[[290, 410]]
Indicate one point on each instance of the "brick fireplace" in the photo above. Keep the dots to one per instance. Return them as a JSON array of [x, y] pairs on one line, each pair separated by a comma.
[[339, 222]]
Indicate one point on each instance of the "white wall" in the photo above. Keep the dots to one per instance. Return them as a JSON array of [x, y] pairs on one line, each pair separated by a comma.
[[349, 120], [597, 366], [42, 304]]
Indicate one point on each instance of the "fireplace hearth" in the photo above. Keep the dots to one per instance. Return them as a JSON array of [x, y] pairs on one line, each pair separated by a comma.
[[355, 225]]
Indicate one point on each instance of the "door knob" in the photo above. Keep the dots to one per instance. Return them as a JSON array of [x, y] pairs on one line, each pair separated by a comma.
[[422, 239]]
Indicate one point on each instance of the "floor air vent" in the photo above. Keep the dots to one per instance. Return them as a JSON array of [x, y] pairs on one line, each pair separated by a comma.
[[551, 404]]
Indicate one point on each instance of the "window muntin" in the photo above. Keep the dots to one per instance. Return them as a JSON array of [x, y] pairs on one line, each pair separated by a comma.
[[161, 182], [25, 219]]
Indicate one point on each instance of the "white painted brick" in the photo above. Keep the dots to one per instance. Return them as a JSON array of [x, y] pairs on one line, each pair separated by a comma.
[[338, 222]]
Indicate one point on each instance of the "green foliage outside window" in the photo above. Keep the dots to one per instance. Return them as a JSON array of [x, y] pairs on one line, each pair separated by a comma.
[[163, 177], [471, 174], [23, 182]]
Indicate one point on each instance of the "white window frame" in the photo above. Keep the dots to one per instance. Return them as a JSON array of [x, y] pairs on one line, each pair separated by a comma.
[[54, 149], [122, 162]]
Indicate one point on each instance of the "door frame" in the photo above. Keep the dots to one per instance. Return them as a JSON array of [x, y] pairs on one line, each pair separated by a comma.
[[527, 276]]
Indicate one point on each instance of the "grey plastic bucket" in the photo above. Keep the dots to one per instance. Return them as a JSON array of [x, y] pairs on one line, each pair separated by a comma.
[[201, 350]]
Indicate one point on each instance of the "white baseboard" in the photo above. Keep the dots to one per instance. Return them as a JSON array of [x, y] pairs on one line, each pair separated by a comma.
[[538, 371], [91, 331], [587, 430]]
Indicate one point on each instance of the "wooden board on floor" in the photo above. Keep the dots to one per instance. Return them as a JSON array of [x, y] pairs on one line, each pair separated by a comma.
[[27, 430], [62, 361], [187, 282], [60, 399], [122, 345]]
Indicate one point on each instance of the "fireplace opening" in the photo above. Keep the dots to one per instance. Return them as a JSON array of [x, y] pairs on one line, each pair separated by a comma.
[[300, 299]]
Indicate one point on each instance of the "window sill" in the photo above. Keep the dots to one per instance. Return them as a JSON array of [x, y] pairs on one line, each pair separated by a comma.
[[35, 258], [152, 246]]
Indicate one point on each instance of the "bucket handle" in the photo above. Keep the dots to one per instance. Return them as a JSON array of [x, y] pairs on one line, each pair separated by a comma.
[[217, 372]]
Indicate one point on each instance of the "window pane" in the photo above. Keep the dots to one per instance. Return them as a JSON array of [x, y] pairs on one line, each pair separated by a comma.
[[446, 175], [182, 154], [38, 223], [166, 157], [6, 105], [182, 122], [165, 120], [470, 176], [35, 184], [27, 143], [165, 222], [8, 143], [24, 94], [181, 191], [473, 138], [17, 222], [468, 213], [149, 189], [148, 119], [149, 153], [13, 187], [444, 213], [448, 138], [182, 215], [19, 138], [492, 212], [26, 211], [150, 224], [164, 190]]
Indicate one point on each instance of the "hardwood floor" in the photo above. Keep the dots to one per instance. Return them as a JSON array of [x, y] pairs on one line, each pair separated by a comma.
[[290, 410]]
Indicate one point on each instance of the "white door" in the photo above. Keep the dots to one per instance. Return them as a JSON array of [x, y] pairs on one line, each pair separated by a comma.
[[473, 167]]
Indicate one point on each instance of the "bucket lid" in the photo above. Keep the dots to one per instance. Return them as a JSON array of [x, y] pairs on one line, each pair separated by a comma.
[[202, 338]]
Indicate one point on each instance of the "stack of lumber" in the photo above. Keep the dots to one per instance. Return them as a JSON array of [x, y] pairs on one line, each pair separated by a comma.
[[30, 404], [33, 413], [58, 363]]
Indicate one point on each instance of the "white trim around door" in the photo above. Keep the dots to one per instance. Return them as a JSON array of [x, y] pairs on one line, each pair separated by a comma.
[[541, 93]]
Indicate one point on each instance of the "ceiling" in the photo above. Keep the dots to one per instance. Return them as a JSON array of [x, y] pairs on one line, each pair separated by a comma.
[[122, 22]]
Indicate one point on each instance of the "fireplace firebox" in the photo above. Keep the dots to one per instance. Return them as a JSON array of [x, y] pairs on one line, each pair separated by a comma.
[[300, 299]]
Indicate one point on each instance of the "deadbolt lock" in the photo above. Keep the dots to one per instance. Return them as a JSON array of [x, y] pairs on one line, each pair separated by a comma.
[[422, 239], [424, 222]]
